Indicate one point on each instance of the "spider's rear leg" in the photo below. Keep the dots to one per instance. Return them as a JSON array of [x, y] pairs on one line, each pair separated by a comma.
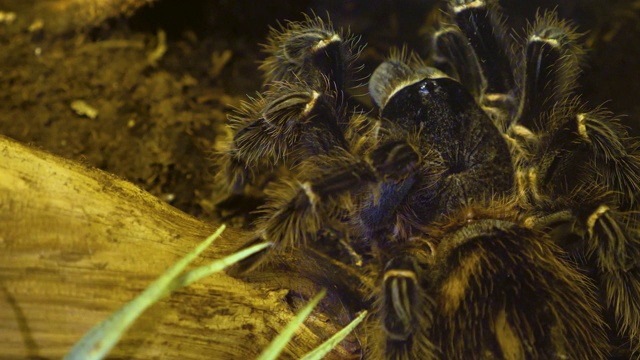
[[587, 149], [614, 246], [605, 232], [608, 243], [616, 158], [591, 165]]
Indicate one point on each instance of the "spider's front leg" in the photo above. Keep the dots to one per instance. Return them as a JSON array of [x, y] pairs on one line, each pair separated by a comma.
[[551, 59], [269, 132], [474, 46], [312, 52], [399, 329]]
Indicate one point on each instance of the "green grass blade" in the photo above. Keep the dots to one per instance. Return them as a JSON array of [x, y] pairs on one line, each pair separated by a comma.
[[325, 347], [277, 345], [218, 265], [100, 339]]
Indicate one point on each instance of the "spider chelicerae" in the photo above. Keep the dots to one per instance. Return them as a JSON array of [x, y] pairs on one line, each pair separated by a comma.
[[495, 214]]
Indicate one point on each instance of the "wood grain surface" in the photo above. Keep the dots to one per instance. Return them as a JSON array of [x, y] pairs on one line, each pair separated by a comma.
[[77, 243]]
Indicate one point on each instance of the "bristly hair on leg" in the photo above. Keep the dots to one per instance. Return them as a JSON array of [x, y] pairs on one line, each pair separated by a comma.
[[551, 65], [400, 327], [452, 49], [482, 24], [305, 50], [616, 159], [272, 129]]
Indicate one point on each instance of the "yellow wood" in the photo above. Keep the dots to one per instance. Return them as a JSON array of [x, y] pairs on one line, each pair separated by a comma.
[[77, 243]]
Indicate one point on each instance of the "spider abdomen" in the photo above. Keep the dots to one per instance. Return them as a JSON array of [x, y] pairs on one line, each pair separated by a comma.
[[535, 305]]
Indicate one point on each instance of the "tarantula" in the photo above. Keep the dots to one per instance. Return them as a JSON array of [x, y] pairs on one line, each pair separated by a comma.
[[496, 214]]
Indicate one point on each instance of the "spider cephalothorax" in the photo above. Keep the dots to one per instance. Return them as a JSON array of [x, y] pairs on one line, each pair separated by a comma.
[[495, 214]]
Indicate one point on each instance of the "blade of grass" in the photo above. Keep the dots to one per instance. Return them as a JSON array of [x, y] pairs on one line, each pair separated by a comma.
[[196, 274], [277, 345], [322, 350], [100, 340]]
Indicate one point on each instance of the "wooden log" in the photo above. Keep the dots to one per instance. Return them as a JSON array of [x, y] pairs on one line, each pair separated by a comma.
[[77, 243]]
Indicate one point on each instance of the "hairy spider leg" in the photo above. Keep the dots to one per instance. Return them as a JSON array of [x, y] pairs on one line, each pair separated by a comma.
[[615, 245], [452, 51], [403, 318], [616, 159], [585, 159], [306, 72], [550, 70], [480, 23], [288, 124], [312, 52], [585, 148]]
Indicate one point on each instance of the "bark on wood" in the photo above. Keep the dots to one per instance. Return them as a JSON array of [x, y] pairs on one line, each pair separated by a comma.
[[77, 243]]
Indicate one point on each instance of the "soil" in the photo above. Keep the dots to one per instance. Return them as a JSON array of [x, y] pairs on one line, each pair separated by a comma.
[[158, 114]]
